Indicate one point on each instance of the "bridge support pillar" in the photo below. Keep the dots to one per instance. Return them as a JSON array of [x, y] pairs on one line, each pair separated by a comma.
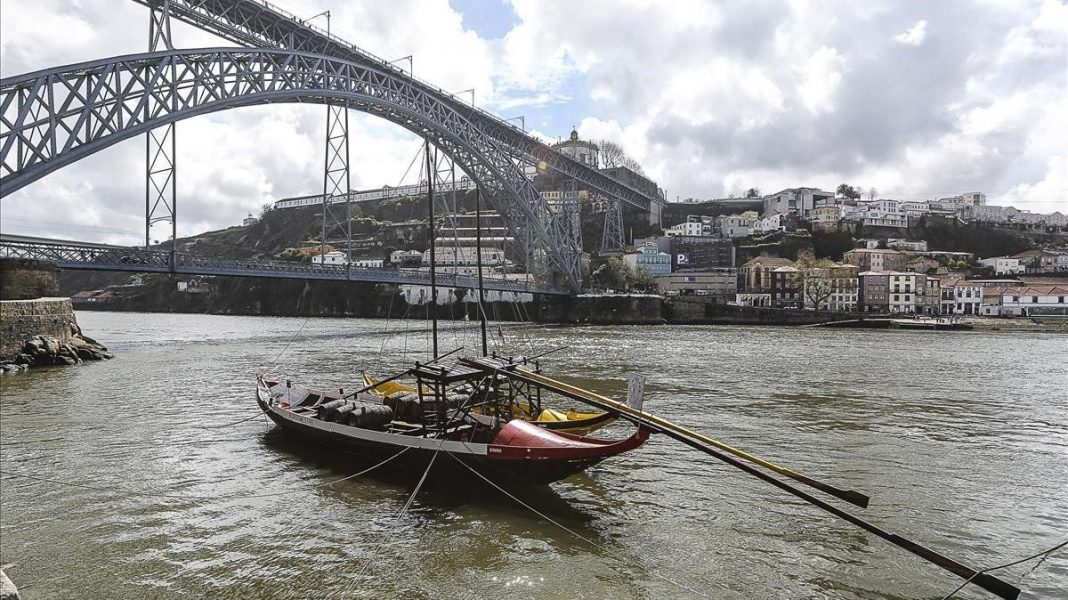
[[336, 176], [613, 238], [161, 199]]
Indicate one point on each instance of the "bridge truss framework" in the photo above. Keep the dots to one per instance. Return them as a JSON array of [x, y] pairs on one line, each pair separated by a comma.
[[54, 117]]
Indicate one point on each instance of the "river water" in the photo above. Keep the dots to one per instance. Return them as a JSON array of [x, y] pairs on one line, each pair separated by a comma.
[[158, 488]]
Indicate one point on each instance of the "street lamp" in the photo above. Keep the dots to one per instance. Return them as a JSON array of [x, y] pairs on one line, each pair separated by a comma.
[[326, 14], [411, 65], [472, 90], [522, 120]]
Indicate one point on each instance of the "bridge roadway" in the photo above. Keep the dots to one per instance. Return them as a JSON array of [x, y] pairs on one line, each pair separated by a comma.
[[102, 257]]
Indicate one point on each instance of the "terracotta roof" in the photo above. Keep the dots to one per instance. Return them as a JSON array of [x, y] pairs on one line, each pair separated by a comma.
[[1044, 290], [770, 261]]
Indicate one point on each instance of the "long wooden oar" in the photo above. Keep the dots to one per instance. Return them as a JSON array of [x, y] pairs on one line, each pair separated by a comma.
[[851, 496], [984, 580]]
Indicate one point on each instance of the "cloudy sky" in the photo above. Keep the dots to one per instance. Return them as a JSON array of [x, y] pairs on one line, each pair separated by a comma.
[[916, 99]]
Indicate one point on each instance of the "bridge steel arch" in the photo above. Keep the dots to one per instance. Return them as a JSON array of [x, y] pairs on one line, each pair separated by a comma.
[[258, 24], [54, 117]]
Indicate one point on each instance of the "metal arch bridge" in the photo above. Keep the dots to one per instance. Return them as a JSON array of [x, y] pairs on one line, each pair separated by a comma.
[[103, 257], [54, 117]]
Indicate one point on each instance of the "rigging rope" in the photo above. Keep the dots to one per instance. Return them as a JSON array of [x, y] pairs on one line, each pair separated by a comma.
[[194, 498], [1042, 556], [572, 531]]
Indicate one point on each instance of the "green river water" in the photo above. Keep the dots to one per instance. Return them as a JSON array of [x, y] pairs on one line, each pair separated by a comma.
[[961, 439]]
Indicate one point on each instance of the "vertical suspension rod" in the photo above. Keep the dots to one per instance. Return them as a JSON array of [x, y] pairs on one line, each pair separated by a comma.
[[478, 262], [430, 174]]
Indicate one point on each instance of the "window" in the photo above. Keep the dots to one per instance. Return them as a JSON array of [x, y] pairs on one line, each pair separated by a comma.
[[1060, 299], [1034, 299], [1015, 298]]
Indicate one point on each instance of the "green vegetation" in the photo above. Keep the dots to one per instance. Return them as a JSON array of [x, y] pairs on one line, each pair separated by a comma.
[[614, 274]]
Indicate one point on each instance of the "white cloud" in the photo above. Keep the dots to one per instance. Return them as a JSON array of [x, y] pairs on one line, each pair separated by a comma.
[[712, 98], [914, 35]]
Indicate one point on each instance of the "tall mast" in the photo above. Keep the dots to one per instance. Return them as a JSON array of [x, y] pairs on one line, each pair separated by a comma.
[[478, 260], [433, 257]]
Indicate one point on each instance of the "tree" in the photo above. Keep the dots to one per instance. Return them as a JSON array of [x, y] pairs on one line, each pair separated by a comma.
[[613, 155], [752, 192], [872, 193], [817, 287], [611, 275], [848, 191], [641, 279]]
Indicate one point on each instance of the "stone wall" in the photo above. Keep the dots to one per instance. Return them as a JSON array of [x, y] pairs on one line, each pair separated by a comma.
[[689, 310], [606, 309], [23, 279], [21, 320]]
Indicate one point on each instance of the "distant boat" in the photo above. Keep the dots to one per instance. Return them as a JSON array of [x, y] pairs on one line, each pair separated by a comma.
[[931, 324]]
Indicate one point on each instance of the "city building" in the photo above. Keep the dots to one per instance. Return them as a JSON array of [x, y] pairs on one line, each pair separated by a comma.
[[921, 264], [650, 259], [960, 297], [700, 253], [826, 217], [873, 292], [906, 292], [406, 258], [755, 275], [688, 229], [774, 222], [1026, 301], [1004, 265], [874, 259], [720, 285], [930, 302], [967, 199], [330, 258], [881, 213], [249, 220], [1041, 261], [735, 226], [799, 200], [787, 287], [583, 151], [833, 288]]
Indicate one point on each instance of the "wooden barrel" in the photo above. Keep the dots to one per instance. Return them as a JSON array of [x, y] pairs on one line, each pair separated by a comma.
[[370, 416], [323, 410]]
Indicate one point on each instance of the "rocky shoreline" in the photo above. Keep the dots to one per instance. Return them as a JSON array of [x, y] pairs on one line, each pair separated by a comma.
[[47, 351]]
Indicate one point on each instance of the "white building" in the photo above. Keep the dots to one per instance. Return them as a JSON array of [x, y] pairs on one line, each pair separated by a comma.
[[773, 222], [884, 213], [799, 200], [906, 291], [1026, 301], [330, 258], [581, 150], [966, 199], [687, 229], [735, 226], [961, 296], [370, 263], [1004, 265]]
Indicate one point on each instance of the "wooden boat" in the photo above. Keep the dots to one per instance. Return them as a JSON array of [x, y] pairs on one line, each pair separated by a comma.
[[930, 324], [567, 421], [505, 450]]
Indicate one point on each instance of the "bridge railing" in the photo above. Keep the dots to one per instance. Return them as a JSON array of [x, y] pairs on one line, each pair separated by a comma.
[[73, 256]]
